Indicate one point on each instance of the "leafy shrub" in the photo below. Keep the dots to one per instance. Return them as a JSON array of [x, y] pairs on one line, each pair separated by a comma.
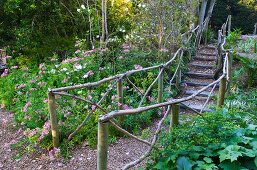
[[225, 139], [249, 69]]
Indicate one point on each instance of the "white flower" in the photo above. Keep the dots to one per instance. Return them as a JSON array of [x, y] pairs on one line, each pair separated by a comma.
[[79, 10], [64, 69], [78, 67], [83, 7], [53, 71]]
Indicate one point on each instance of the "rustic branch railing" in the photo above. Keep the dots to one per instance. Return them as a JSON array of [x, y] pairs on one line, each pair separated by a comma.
[[172, 108], [118, 80]]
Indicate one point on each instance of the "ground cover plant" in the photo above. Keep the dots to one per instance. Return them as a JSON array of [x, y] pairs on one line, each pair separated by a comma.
[[225, 139]]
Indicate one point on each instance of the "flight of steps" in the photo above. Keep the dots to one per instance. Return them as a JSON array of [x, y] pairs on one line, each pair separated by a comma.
[[200, 73]]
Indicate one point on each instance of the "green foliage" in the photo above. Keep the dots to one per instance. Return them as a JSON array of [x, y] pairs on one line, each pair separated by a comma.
[[232, 38], [250, 68], [246, 46], [225, 139], [25, 27], [244, 14]]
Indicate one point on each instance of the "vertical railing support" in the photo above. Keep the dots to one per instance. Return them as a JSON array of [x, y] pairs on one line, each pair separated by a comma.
[[255, 46], [224, 29], [120, 94], [255, 29], [178, 76], [102, 146], [219, 63], [230, 60], [222, 90], [175, 115], [160, 85], [229, 24], [53, 118]]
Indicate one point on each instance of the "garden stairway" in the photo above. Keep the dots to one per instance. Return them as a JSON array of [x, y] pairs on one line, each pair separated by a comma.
[[200, 73]]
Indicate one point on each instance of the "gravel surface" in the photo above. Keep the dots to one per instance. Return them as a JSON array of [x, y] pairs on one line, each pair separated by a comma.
[[123, 151]]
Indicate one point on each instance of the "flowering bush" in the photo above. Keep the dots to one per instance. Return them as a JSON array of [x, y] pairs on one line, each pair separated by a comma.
[[25, 93]]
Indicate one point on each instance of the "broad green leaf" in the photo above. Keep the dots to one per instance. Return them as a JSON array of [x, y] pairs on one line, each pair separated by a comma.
[[255, 161], [231, 166], [231, 152], [207, 160], [183, 164]]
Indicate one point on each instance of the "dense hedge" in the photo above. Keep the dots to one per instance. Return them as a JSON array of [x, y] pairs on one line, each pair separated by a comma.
[[244, 14]]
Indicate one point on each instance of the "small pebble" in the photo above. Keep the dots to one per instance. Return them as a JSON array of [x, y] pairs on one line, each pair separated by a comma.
[[60, 164]]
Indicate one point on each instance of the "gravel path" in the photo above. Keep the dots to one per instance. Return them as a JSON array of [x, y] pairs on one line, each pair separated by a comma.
[[83, 157]]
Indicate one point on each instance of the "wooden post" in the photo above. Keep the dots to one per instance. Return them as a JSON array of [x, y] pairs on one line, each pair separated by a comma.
[[224, 26], [53, 119], [175, 115], [255, 46], [178, 76], [230, 60], [222, 90], [229, 24], [206, 36], [120, 94], [102, 146], [219, 63], [160, 86], [255, 29]]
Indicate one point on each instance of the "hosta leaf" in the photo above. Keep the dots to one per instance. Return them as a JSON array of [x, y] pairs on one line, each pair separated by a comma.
[[231, 166], [183, 164], [255, 161], [252, 127], [231, 152], [207, 160], [248, 152]]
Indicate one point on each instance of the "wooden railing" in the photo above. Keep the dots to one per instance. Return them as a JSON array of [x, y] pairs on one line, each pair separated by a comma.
[[172, 106], [118, 81]]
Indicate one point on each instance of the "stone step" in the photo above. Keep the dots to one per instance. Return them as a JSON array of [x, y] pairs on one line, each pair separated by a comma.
[[197, 84], [199, 75], [202, 94], [187, 105], [207, 54], [210, 47], [202, 66], [204, 59]]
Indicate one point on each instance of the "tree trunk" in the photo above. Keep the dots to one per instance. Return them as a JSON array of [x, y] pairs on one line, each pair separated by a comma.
[[202, 12]]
